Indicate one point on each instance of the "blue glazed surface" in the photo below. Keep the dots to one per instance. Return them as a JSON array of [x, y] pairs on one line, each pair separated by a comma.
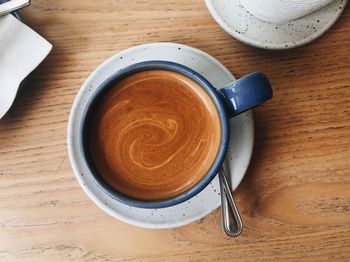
[[247, 92], [223, 107]]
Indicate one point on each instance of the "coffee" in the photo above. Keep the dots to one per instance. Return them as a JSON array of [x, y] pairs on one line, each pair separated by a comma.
[[154, 134]]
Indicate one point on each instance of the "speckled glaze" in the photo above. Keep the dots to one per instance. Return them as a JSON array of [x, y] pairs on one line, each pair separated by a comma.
[[245, 27], [242, 136]]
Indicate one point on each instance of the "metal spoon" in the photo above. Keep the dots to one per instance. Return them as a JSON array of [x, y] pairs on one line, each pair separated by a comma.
[[12, 5], [231, 218]]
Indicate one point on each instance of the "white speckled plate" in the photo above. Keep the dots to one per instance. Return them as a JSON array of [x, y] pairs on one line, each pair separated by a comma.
[[242, 136], [245, 27]]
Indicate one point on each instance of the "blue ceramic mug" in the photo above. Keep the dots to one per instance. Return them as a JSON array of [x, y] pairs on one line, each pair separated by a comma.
[[235, 98]]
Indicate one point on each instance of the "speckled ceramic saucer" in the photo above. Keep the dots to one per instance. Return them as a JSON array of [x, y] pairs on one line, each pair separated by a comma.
[[241, 127], [245, 27]]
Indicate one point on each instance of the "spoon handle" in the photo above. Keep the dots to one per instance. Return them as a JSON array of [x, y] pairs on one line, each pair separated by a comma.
[[231, 218]]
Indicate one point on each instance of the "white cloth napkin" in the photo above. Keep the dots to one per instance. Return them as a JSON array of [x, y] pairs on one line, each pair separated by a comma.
[[21, 51], [279, 11]]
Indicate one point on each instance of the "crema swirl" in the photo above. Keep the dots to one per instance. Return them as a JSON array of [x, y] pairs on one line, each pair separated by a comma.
[[154, 134]]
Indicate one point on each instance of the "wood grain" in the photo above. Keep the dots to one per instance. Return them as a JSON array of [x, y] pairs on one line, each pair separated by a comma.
[[295, 199]]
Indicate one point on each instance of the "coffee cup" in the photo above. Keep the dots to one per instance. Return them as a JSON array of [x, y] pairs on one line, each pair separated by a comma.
[[154, 134], [280, 11]]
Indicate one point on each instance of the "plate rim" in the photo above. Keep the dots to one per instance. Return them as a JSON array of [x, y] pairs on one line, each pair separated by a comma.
[[270, 46]]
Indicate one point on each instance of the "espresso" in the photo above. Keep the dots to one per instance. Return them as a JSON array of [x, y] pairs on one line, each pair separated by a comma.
[[154, 135]]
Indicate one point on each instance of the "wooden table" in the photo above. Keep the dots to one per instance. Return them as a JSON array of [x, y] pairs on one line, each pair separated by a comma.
[[294, 200]]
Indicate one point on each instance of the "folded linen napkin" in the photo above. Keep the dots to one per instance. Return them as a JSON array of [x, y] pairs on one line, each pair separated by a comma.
[[21, 51], [279, 11]]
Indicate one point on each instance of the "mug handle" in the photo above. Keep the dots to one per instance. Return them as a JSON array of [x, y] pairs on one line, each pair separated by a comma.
[[247, 92]]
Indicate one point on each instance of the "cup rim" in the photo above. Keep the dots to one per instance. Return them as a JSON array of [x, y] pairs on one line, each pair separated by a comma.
[[217, 99]]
